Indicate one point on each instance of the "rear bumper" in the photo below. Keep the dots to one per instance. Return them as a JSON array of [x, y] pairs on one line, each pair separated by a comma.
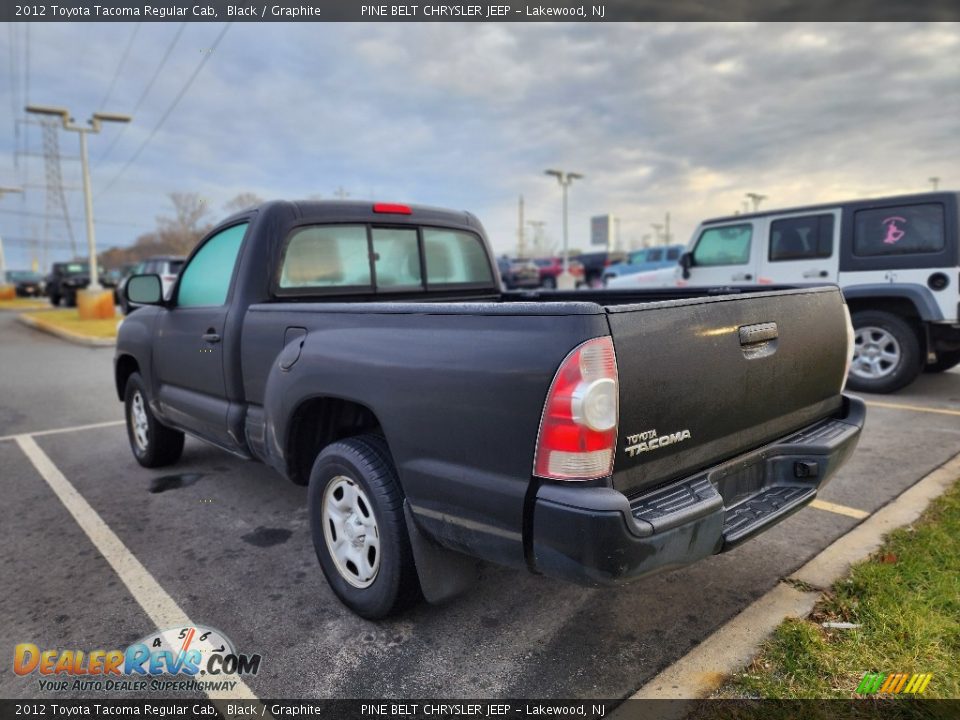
[[596, 536]]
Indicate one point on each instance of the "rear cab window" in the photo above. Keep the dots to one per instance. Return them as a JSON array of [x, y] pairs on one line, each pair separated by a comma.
[[362, 259]]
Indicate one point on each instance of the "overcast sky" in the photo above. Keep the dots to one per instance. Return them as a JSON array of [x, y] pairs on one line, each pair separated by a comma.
[[683, 118]]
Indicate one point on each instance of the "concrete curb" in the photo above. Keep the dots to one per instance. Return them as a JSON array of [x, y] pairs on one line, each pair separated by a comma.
[[65, 334], [732, 647], [38, 308]]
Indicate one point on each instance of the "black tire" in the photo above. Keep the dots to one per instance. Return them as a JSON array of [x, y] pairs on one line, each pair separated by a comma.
[[71, 300], [907, 367], [365, 461], [550, 283], [946, 359], [163, 445], [55, 300]]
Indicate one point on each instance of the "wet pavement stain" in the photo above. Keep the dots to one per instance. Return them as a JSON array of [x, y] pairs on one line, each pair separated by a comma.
[[172, 482], [266, 537]]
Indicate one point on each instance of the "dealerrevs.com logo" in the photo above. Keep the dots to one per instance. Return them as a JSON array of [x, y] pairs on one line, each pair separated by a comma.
[[178, 659], [894, 683]]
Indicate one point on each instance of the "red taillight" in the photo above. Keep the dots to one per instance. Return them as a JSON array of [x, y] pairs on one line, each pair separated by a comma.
[[578, 431], [392, 209]]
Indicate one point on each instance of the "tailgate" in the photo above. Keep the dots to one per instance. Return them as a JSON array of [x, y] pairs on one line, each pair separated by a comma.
[[703, 380]]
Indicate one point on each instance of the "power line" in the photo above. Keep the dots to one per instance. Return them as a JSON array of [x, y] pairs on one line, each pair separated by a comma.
[[170, 109], [116, 74], [46, 216], [143, 95]]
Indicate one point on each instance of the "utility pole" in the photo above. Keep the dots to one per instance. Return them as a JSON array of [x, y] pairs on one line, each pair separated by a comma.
[[756, 198], [666, 230], [657, 234], [565, 280], [521, 249], [537, 226], [7, 292], [935, 181], [616, 234], [94, 127]]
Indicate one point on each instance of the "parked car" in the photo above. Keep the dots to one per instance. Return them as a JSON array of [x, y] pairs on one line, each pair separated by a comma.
[[26, 283], [596, 263], [66, 278], [644, 260], [518, 274], [551, 267], [369, 352], [166, 266], [897, 260]]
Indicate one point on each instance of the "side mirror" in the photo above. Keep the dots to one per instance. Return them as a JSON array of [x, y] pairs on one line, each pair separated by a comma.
[[686, 262], [145, 290]]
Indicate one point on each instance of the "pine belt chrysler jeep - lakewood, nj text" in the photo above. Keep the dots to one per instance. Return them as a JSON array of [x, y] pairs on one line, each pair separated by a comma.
[[369, 352]]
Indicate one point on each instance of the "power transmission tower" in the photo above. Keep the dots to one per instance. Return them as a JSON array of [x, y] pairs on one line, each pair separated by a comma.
[[56, 200]]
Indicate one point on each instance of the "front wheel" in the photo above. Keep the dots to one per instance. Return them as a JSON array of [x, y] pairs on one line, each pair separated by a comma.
[[886, 354], [945, 360], [153, 444], [55, 300], [358, 527], [550, 283]]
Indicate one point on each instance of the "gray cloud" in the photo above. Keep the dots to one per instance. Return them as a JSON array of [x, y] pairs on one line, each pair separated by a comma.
[[679, 117]]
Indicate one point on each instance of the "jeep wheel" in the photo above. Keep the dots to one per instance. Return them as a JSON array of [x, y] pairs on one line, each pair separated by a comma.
[[55, 300], [153, 444], [358, 527], [886, 354], [946, 359]]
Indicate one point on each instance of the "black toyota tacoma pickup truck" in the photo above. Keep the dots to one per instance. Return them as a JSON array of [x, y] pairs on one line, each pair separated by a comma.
[[369, 352]]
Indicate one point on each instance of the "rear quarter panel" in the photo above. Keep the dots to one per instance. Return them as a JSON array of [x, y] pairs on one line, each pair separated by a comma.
[[458, 390]]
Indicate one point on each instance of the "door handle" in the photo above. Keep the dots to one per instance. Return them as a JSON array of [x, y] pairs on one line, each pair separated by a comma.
[[816, 273], [211, 336], [742, 276]]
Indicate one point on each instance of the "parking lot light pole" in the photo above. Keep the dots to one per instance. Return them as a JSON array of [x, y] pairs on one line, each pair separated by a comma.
[[565, 279], [68, 124], [7, 292]]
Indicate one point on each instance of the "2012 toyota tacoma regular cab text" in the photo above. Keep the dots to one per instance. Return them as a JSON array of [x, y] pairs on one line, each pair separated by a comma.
[[369, 352]]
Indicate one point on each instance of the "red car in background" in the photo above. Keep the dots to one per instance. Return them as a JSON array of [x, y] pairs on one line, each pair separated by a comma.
[[551, 267]]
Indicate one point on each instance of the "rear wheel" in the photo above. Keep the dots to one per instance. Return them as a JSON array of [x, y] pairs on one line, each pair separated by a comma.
[[945, 360], [55, 300], [153, 444], [886, 353], [358, 527], [550, 282]]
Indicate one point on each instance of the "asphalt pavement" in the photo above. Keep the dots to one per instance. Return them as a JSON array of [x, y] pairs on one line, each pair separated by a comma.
[[229, 542]]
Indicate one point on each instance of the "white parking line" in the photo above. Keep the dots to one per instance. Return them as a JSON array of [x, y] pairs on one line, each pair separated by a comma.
[[56, 431], [839, 509], [914, 408], [154, 600]]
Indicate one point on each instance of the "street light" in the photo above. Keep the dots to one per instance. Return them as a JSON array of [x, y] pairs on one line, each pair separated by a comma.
[[935, 181], [5, 293], [94, 122], [756, 198], [565, 279]]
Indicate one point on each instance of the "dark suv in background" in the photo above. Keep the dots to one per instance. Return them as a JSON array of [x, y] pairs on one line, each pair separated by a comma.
[[594, 264], [66, 278]]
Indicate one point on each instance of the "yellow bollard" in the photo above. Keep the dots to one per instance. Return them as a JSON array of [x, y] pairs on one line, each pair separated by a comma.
[[95, 305], [8, 292]]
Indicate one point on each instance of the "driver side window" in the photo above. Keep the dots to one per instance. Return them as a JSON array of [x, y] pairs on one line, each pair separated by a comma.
[[729, 245], [206, 279]]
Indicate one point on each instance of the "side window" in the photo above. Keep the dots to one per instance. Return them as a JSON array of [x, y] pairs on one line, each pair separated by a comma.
[[898, 230], [729, 245], [801, 238], [655, 255], [455, 258], [673, 254], [327, 256], [206, 279], [396, 255]]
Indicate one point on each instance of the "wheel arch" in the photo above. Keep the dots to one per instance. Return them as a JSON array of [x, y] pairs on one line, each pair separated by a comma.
[[318, 421], [126, 366]]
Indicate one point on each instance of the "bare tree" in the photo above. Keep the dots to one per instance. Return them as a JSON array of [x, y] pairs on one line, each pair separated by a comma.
[[183, 231], [243, 201]]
